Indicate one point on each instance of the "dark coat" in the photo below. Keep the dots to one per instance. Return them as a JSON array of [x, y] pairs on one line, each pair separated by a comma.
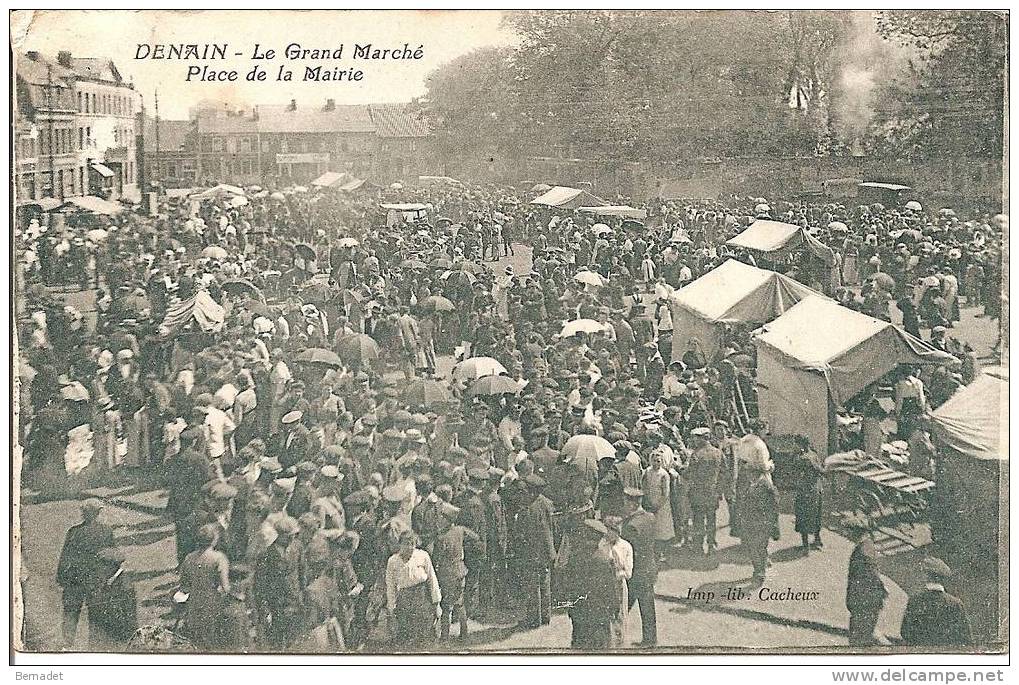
[[639, 530], [935, 618], [498, 535], [759, 517], [79, 562], [535, 526], [473, 516], [702, 475], [809, 490], [865, 591]]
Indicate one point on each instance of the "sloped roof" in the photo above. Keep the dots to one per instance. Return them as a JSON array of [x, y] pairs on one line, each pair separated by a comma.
[[209, 123], [35, 71], [394, 120], [340, 119], [738, 292], [970, 422], [93, 68], [567, 198]]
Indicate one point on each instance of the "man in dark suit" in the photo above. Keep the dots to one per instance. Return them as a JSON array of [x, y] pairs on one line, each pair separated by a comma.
[[639, 530], [934, 617], [473, 515], [865, 591], [759, 515], [79, 565], [534, 525]]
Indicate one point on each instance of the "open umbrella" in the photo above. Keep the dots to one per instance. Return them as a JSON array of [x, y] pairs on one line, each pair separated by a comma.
[[582, 326], [257, 307], [254, 189], [278, 196], [440, 263], [319, 355], [837, 226], [541, 188], [318, 293], [214, 252], [459, 278], [590, 278], [883, 281], [588, 449], [242, 287], [396, 186], [305, 250], [415, 264], [762, 208], [493, 385], [469, 267], [96, 235], [914, 206], [426, 392], [600, 229], [357, 349], [478, 367], [438, 303], [443, 221], [877, 207], [238, 201], [347, 242]]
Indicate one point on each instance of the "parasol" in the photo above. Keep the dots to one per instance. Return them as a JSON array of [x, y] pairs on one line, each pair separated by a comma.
[[438, 303], [837, 226], [238, 201], [494, 385], [347, 242], [96, 234], [600, 229], [915, 206], [415, 264], [319, 355], [396, 186], [478, 367], [443, 220], [441, 263], [242, 286], [305, 250], [278, 196], [426, 392], [588, 449], [458, 278], [214, 252], [883, 281], [583, 326], [590, 278], [357, 349], [257, 307]]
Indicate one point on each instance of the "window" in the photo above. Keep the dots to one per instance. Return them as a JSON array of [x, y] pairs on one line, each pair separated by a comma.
[[244, 144], [216, 144]]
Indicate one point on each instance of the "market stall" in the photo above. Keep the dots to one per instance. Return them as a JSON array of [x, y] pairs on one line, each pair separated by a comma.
[[564, 197], [615, 211], [817, 356], [732, 293], [774, 241]]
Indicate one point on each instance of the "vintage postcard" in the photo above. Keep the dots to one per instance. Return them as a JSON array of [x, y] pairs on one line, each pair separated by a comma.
[[557, 332]]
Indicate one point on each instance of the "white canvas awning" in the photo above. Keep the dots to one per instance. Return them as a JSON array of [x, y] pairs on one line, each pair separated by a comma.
[[565, 197], [102, 170]]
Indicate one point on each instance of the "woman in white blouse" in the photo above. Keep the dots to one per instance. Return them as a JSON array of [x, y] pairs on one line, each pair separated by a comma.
[[412, 595]]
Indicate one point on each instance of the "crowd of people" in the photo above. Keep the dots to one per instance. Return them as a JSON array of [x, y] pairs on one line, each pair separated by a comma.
[[280, 362]]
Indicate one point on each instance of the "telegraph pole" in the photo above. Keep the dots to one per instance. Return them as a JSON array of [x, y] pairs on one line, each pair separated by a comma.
[[156, 163], [49, 143]]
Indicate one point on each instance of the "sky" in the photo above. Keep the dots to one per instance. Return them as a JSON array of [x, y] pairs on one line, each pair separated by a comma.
[[444, 34]]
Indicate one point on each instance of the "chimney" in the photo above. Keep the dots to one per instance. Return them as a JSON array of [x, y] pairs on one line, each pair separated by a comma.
[[292, 107], [32, 55], [64, 58], [330, 105]]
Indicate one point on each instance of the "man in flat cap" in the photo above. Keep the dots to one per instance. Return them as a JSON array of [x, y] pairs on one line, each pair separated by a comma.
[[702, 474], [933, 617], [537, 553], [638, 528], [474, 516], [279, 597], [79, 565]]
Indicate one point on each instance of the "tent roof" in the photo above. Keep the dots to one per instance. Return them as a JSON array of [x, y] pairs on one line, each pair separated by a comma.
[[332, 178], [970, 422], [817, 331], [96, 205], [777, 239], [568, 198], [735, 291], [884, 186]]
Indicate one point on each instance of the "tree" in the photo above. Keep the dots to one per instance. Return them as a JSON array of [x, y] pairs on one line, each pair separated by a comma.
[[953, 98]]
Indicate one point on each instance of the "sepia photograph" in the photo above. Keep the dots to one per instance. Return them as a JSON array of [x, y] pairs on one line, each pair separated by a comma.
[[573, 332]]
